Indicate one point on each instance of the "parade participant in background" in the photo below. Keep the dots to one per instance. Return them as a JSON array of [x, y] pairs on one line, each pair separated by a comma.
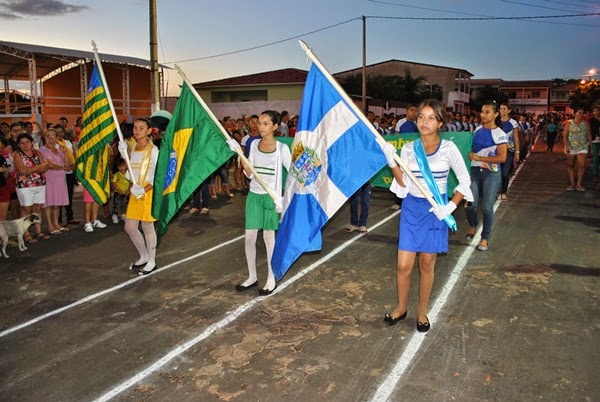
[[422, 229], [268, 157], [120, 186], [511, 128], [407, 124], [551, 131], [578, 139], [143, 162], [489, 151]]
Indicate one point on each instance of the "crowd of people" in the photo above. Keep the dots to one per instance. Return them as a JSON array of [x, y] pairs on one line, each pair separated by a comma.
[[37, 169]]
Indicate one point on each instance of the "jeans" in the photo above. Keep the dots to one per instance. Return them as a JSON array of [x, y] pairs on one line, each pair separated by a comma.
[[202, 188], [223, 172], [507, 168], [120, 202], [484, 183], [363, 195]]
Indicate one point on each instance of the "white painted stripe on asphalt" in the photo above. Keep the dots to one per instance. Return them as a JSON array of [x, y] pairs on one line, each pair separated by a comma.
[[387, 387], [117, 287], [228, 319]]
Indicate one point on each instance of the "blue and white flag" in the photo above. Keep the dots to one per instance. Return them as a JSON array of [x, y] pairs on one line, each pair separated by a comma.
[[333, 154]]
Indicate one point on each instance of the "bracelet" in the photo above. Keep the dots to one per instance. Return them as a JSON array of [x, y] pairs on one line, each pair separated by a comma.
[[517, 152]]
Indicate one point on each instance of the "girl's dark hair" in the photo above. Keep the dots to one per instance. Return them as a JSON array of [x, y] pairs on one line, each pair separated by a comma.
[[24, 135], [496, 108], [117, 160], [273, 115], [145, 120], [438, 108]]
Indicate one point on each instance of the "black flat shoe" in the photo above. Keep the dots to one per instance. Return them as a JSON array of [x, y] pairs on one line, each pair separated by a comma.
[[241, 288], [144, 272], [423, 327], [132, 266], [266, 292], [389, 320]]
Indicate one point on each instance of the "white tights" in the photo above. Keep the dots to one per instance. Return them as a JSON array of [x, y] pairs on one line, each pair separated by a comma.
[[250, 245], [147, 248]]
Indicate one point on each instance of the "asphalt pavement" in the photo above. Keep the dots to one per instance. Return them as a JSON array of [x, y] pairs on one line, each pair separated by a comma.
[[518, 322]]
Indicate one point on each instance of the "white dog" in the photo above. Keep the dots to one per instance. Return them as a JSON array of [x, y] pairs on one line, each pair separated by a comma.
[[16, 227]]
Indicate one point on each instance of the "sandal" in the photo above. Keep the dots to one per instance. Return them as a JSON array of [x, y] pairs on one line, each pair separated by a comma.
[[351, 228], [64, 229], [482, 247], [469, 236], [29, 239], [55, 232], [579, 188], [193, 210], [203, 211], [42, 235]]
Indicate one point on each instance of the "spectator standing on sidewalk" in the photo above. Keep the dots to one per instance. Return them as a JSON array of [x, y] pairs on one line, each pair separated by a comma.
[[578, 139]]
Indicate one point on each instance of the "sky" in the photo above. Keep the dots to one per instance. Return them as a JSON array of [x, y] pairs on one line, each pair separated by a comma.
[[198, 30]]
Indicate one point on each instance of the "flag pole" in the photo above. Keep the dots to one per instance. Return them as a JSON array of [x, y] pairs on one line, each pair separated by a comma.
[[110, 104], [255, 175], [363, 118]]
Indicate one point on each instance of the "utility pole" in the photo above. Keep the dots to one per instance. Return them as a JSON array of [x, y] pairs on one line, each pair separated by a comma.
[[154, 75], [364, 66]]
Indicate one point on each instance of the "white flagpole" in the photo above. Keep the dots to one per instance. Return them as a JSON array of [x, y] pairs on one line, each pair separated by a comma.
[[110, 104], [364, 119], [255, 175]]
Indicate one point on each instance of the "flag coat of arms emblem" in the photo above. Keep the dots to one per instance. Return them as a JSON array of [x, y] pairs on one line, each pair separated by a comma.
[[333, 154]]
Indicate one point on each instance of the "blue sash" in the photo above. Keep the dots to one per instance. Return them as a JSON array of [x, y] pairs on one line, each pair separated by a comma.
[[421, 158]]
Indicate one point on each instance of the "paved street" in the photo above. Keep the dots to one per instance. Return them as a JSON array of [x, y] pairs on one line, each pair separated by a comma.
[[518, 322]]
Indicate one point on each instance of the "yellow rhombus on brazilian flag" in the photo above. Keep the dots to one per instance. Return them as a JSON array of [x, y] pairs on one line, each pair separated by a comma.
[[99, 129], [192, 148]]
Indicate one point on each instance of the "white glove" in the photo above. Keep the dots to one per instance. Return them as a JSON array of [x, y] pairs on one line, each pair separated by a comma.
[[137, 190], [442, 211], [234, 146], [122, 147], [389, 151], [278, 205]]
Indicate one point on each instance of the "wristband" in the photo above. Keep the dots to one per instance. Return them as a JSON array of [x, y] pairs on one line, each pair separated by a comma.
[[517, 152]]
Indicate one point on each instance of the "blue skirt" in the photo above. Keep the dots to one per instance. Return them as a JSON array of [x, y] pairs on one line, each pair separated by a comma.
[[420, 230]]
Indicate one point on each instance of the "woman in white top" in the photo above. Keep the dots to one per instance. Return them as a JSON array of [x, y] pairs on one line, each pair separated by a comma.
[[268, 157], [143, 163], [421, 228]]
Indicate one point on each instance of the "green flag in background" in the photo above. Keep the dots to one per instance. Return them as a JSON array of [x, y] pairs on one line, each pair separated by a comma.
[[192, 148]]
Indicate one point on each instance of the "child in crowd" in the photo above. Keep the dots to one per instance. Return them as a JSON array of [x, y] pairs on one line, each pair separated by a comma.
[[120, 186]]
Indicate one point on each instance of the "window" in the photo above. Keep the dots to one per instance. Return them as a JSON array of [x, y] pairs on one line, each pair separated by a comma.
[[535, 94]]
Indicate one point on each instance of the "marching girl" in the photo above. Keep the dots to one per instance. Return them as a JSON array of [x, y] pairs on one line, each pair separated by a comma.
[[421, 228], [268, 157], [143, 163]]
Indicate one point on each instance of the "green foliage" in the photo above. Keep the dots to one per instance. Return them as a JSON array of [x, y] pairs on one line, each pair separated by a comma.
[[484, 94], [393, 88], [585, 96]]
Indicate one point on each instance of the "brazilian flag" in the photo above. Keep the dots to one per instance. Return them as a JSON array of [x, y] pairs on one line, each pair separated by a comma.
[[99, 129], [192, 148]]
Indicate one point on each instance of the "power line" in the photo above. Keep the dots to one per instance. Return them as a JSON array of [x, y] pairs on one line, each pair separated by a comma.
[[535, 6], [474, 17], [470, 14], [268, 44], [566, 4]]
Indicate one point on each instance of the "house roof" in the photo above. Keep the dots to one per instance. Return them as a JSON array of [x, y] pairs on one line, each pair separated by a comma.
[[405, 61], [14, 59], [277, 77], [565, 87], [539, 83]]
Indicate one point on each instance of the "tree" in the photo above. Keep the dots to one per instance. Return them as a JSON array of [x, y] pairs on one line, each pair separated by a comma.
[[585, 95], [484, 94]]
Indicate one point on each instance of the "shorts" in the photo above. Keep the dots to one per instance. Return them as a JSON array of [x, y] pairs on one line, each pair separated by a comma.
[[582, 151], [5, 194], [260, 212], [31, 195]]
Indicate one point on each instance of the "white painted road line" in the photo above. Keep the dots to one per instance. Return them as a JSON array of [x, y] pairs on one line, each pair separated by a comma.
[[228, 319], [109, 290]]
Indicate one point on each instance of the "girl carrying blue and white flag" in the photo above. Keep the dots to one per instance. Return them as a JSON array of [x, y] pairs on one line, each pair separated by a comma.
[[423, 229]]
